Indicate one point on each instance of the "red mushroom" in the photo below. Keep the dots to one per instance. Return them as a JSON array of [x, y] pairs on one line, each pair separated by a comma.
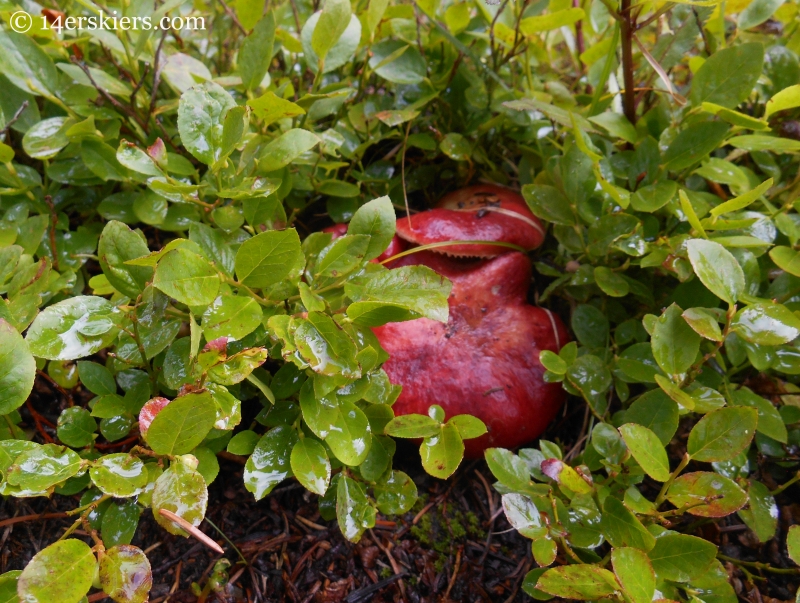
[[485, 360], [485, 212]]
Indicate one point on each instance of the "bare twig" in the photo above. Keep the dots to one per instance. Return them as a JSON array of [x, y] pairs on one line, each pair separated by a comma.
[[192, 530]]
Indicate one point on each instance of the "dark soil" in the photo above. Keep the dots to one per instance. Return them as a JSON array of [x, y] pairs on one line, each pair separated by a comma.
[[455, 545]]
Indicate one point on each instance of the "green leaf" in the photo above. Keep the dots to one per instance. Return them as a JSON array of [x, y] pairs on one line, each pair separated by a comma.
[[76, 427], [181, 490], [341, 256], [397, 62], [117, 245], [286, 148], [549, 204], [722, 434], [47, 138], [311, 466], [96, 378], [60, 573], [8, 586], [121, 518], [622, 528], [742, 201], [617, 125], [376, 219], [523, 515], [469, 427], [757, 12], [707, 494], [332, 23], [656, 411], [704, 323], [201, 114], [233, 317], [120, 475], [770, 422], [680, 558], [413, 290], [412, 426], [694, 143], [187, 277], [182, 424], [590, 326], [269, 108], [761, 514], [610, 282], [270, 462], [17, 369], [255, 53], [41, 468], [442, 453], [728, 76], [654, 196], [349, 436], [395, 493], [327, 348], [788, 98], [26, 64], [717, 269], [135, 159], [675, 345], [793, 543], [353, 510], [64, 331], [634, 573], [766, 324], [786, 259], [268, 258], [581, 582], [759, 142], [125, 574], [647, 449]]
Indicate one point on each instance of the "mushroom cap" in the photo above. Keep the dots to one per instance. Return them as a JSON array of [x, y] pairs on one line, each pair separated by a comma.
[[485, 360], [485, 212]]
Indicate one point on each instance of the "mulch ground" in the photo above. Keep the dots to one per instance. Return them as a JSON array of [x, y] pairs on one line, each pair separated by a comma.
[[455, 545]]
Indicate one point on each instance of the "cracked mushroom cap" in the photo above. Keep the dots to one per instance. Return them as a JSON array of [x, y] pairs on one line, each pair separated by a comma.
[[485, 212]]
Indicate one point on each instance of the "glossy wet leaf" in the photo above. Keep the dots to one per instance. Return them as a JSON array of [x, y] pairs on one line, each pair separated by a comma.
[[349, 435], [647, 449], [680, 557], [469, 427], [118, 244], [703, 322], [634, 573], [770, 422], [722, 434], [375, 218], [693, 144], [181, 490], [761, 514], [76, 427], [622, 528], [523, 515], [766, 324], [187, 277], [310, 465], [43, 467], [395, 494], [286, 148], [8, 586], [125, 574], [60, 331], [255, 53], [200, 120], [182, 424], [233, 317], [17, 369], [268, 258], [47, 138], [717, 269], [270, 462], [706, 494], [675, 345], [60, 573], [120, 520], [580, 582], [354, 512], [96, 378], [442, 453], [728, 76], [120, 475]]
